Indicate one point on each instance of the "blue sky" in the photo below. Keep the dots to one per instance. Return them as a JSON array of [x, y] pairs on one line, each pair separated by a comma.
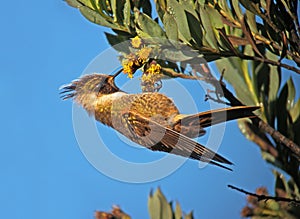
[[44, 174]]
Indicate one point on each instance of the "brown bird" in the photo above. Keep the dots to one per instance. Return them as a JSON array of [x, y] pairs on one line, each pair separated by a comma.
[[150, 119]]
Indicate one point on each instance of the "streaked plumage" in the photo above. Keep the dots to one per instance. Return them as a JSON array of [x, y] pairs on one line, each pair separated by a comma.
[[150, 119]]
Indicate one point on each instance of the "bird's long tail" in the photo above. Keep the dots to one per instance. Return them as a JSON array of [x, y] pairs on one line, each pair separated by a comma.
[[212, 117]]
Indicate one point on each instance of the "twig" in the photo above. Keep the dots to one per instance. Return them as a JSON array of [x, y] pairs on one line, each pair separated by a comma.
[[217, 100], [280, 138], [265, 197]]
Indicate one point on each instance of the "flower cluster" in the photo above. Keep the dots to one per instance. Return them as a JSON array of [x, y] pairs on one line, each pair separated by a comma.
[[151, 78], [135, 60]]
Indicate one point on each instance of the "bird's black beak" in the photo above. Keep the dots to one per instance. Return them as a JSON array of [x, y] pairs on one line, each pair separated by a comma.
[[117, 73]]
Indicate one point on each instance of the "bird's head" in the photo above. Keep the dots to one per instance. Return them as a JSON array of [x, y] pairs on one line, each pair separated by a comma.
[[88, 88], [97, 84]]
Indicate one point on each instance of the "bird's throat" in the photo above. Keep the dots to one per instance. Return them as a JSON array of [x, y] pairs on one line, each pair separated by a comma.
[[106, 105]]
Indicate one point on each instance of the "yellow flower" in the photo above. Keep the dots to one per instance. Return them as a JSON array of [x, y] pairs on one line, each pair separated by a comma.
[[154, 69], [128, 67], [136, 42], [151, 77], [143, 54]]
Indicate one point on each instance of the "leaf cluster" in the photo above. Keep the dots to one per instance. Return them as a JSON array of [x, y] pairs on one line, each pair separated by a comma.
[[253, 41]]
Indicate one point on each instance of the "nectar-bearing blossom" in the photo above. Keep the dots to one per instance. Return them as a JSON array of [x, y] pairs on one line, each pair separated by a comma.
[[132, 61], [150, 77], [136, 42]]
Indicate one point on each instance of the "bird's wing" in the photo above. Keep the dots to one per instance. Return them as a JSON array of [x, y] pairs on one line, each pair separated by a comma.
[[212, 117], [159, 138]]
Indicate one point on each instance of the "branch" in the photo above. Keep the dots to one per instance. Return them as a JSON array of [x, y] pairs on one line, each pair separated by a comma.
[[265, 197], [280, 138], [220, 86]]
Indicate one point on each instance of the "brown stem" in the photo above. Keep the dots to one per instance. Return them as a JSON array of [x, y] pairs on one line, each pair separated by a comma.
[[278, 137], [265, 197]]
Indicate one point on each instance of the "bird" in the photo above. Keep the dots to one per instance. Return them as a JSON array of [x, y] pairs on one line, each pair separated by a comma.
[[150, 119]]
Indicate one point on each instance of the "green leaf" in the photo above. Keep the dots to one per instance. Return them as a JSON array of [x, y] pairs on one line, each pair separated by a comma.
[[170, 27], [274, 84], [127, 14], [178, 212], [178, 55], [281, 183], [282, 111], [96, 18], [195, 28], [87, 3], [120, 42], [209, 32], [147, 26], [189, 216], [291, 93], [161, 8], [159, 207], [176, 10], [251, 6], [295, 111], [146, 7], [251, 21], [114, 6], [224, 5], [236, 9], [247, 31], [154, 207], [74, 3], [166, 210], [235, 75]]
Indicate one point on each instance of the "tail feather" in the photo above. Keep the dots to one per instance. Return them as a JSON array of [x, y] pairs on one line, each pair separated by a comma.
[[212, 117]]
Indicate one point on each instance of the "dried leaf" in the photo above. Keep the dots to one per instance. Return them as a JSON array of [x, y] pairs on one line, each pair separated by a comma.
[[247, 31], [237, 41]]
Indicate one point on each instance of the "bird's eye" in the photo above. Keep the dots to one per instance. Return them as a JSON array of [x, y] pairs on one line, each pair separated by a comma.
[[99, 87]]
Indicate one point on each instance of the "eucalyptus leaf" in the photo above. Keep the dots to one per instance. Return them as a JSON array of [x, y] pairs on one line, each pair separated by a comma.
[[115, 5], [161, 8], [282, 110], [148, 26], [252, 6], [154, 207], [235, 75], [251, 21], [177, 11], [166, 210], [170, 27], [195, 28], [74, 3], [236, 9], [178, 212], [295, 111], [268, 157], [189, 216], [146, 7], [120, 42], [274, 85], [291, 93], [248, 33], [281, 182], [96, 18], [209, 32], [87, 3], [178, 55], [127, 14]]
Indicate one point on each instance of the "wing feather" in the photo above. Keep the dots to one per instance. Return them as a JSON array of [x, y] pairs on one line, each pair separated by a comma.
[[159, 138]]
